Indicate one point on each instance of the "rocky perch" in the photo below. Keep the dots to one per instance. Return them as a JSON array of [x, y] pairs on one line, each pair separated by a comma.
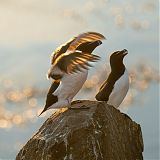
[[98, 133]]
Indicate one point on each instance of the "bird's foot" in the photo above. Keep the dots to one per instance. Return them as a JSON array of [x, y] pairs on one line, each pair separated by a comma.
[[79, 107]]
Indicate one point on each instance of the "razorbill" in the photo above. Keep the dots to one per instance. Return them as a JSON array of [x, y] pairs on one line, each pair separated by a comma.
[[69, 65], [115, 88]]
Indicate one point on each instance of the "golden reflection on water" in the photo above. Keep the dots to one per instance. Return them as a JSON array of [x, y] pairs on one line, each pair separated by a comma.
[[26, 99], [32, 102], [5, 123]]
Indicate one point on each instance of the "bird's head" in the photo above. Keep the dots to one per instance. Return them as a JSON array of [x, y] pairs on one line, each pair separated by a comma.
[[116, 59], [55, 73]]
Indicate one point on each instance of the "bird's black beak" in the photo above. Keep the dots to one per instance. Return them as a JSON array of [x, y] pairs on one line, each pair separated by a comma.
[[124, 52]]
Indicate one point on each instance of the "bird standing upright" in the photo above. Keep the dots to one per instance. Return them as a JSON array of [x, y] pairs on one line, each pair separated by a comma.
[[115, 88], [69, 68]]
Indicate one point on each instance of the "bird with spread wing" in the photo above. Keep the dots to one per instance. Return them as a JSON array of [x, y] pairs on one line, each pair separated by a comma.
[[69, 68]]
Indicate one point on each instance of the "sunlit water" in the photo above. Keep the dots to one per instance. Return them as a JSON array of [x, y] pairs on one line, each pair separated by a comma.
[[144, 113]]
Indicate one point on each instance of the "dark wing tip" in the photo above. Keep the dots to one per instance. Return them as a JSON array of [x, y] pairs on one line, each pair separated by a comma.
[[42, 111], [45, 108]]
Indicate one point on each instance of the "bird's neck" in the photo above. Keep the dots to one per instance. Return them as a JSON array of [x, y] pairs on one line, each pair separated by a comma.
[[117, 66], [118, 70]]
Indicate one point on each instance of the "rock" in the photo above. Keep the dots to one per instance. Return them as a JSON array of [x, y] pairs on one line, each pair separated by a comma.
[[99, 133]]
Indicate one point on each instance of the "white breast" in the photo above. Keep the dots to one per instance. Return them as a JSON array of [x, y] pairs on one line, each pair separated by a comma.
[[70, 85], [120, 90]]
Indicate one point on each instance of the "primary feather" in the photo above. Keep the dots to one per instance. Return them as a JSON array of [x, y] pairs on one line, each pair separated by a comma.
[[85, 37], [75, 55], [75, 61], [75, 42]]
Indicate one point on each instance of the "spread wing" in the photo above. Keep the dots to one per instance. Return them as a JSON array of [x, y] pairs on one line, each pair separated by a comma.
[[85, 37], [88, 46], [75, 42], [75, 61], [60, 50]]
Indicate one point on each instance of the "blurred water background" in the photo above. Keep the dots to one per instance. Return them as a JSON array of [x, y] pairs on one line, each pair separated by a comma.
[[30, 30]]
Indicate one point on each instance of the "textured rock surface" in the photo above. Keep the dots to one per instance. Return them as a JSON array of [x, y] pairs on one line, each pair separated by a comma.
[[98, 133]]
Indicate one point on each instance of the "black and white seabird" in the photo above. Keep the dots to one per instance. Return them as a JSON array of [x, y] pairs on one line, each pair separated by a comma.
[[69, 68], [115, 88]]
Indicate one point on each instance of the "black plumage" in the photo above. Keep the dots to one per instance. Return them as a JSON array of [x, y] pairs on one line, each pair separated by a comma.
[[51, 98], [117, 70], [88, 46]]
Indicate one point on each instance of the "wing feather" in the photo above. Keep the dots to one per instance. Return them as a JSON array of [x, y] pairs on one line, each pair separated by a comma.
[[75, 42], [85, 37], [75, 61], [60, 50]]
